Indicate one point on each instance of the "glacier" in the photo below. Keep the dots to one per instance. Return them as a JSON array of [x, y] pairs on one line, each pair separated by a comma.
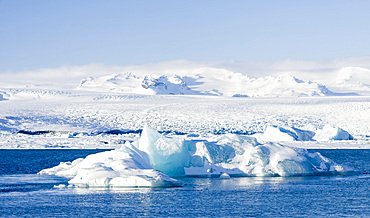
[[154, 159]]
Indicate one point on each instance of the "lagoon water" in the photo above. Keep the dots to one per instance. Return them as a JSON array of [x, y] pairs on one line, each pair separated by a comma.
[[23, 193]]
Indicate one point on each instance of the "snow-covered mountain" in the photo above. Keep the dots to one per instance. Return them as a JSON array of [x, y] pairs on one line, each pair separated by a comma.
[[133, 84], [227, 83], [355, 79], [286, 86], [31, 93], [206, 81]]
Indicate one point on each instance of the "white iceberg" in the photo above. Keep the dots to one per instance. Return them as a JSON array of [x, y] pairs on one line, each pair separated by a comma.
[[225, 176], [151, 161], [124, 167], [330, 132], [279, 134], [242, 156]]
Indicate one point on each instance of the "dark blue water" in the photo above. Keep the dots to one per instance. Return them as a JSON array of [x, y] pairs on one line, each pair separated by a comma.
[[23, 193]]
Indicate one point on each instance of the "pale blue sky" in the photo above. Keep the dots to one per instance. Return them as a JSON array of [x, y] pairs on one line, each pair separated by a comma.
[[43, 33]]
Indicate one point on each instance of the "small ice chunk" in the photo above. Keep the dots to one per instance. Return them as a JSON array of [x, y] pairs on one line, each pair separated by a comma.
[[224, 176]]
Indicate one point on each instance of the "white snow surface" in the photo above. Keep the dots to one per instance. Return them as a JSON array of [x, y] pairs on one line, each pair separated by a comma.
[[149, 161]]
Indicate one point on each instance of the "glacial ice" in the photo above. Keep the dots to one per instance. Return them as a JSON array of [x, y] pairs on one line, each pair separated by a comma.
[[168, 155], [330, 132], [242, 156], [150, 161], [124, 167], [279, 134]]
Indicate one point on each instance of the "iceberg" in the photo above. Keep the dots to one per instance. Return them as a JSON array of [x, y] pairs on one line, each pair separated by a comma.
[[168, 155], [242, 156], [279, 134], [330, 132], [124, 167], [154, 159]]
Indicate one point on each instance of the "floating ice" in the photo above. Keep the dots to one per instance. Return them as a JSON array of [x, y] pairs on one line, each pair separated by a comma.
[[279, 134], [224, 176], [124, 167], [168, 155], [330, 132], [151, 161], [241, 156]]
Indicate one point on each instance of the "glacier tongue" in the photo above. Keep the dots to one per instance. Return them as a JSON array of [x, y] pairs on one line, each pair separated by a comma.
[[151, 161]]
